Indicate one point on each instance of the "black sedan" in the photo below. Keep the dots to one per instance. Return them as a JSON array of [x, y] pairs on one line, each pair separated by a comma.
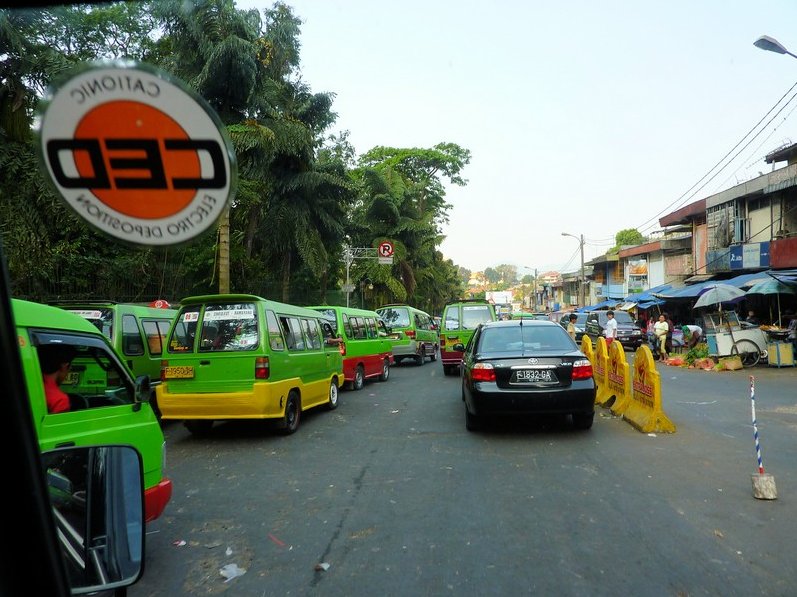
[[525, 367]]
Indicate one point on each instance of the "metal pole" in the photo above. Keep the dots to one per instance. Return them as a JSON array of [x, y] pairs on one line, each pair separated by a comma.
[[583, 281], [348, 258]]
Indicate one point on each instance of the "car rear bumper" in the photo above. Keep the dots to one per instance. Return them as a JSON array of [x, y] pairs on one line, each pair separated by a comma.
[[485, 398], [451, 357], [156, 498]]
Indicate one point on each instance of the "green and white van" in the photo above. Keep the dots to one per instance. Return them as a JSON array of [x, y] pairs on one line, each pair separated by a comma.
[[137, 332], [420, 339], [240, 356], [367, 351], [460, 319], [106, 404]]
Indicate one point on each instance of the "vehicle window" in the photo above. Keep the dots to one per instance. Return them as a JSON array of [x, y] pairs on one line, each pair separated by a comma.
[[329, 315], [381, 328], [293, 333], [312, 333], [229, 327], [83, 369], [623, 317], [274, 332], [102, 319], [522, 339], [473, 315], [156, 331], [370, 324], [347, 326], [451, 321], [182, 339], [132, 345], [358, 327], [395, 317]]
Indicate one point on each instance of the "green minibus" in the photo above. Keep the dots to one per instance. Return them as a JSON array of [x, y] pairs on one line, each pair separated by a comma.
[[137, 332], [240, 356], [460, 319], [365, 346], [100, 402], [420, 339]]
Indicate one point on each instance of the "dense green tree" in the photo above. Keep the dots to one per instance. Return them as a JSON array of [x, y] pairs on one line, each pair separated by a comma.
[[492, 275], [629, 236]]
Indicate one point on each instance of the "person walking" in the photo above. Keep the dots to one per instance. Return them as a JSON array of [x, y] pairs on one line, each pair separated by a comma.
[[660, 329]]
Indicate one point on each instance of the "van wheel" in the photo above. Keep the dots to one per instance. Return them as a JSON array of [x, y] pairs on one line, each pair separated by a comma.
[[434, 353], [385, 370], [421, 356], [359, 379], [333, 395], [293, 412], [199, 427]]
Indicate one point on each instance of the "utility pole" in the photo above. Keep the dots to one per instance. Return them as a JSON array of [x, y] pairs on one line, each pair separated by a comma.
[[583, 280]]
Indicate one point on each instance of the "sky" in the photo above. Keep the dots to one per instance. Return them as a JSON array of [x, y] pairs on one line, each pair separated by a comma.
[[582, 117]]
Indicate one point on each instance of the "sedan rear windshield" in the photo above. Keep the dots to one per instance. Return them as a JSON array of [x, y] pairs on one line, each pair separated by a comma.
[[524, 339]]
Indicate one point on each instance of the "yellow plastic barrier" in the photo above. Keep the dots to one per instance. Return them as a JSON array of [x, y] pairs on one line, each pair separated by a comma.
[[599, 369], [644, 409], [586, 348], [618, 378]]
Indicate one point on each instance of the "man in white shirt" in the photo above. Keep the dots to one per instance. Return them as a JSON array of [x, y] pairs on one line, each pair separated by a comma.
[[610, 331]]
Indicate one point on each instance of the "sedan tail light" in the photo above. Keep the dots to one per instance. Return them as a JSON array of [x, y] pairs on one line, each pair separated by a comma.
[[582, 369], [485, 372]]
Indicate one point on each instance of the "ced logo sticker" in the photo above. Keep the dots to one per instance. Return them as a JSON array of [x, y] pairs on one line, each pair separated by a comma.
[[137, 154]]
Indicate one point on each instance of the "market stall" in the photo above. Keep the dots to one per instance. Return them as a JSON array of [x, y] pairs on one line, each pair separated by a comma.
[[780, 349]]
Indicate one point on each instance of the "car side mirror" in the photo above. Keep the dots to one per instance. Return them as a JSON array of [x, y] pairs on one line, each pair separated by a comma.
[[143, 390], [97, 497], [459, 347]]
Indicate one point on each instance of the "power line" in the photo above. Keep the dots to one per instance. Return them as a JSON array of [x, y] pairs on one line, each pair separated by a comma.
[[685, 196]]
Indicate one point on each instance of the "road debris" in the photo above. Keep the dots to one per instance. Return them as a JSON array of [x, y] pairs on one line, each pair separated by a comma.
[[231, 571]]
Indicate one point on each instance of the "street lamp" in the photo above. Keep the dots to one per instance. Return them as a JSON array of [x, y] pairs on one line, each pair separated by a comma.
[[772, 45], [580, 239]]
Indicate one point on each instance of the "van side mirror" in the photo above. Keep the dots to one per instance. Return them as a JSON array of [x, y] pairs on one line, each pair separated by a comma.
[[143, 388], [97, 497]]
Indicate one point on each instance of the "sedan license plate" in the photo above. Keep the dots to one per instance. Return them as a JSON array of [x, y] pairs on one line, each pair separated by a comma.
[[179, 372], [534, 375]]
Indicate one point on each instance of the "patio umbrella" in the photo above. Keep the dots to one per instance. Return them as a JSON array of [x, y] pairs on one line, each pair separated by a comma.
[[772, 286], [716, 294]]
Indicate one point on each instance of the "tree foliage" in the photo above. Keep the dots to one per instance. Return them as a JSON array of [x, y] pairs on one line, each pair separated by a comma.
[[302, 192]]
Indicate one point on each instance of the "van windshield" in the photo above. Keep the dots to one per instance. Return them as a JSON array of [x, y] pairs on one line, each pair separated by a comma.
[[101, 318], [228, 326], [395, 317], [473, 315]]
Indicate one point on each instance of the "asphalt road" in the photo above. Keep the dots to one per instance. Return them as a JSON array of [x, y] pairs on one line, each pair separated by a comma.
[[397, 498]]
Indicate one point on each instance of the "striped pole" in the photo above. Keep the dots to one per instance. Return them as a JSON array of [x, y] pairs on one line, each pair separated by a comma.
[[755, 427]]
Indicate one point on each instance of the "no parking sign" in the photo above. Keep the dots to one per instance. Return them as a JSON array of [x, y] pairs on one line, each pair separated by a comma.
[[385, 252]]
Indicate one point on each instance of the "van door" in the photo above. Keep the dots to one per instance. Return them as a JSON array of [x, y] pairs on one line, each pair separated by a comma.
[[102, 402]]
